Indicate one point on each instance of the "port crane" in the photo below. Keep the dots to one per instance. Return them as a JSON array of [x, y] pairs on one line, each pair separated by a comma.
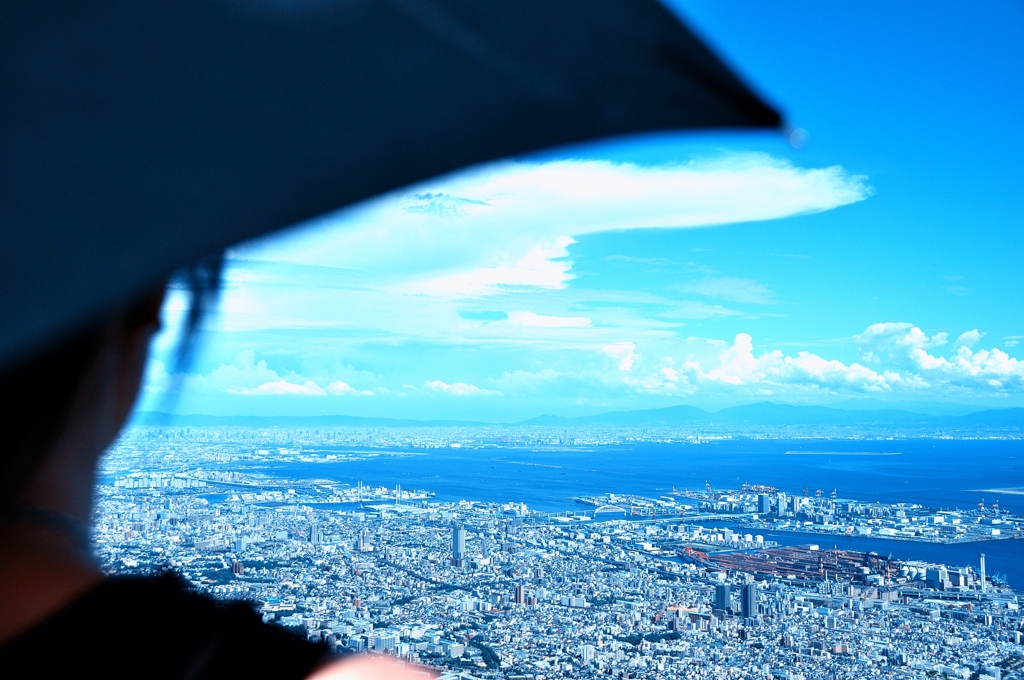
[[695, 556], [758, 488]]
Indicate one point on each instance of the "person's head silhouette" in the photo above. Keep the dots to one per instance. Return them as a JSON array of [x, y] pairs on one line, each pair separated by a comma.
[[139, 139]]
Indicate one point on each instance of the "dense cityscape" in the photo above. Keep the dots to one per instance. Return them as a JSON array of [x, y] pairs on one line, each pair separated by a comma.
[[680, 585]]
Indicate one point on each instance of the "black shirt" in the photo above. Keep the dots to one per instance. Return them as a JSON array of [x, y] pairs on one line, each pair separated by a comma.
[[157, 628]]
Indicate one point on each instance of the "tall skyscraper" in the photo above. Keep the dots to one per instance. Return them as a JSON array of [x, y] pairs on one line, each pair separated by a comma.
[[764, 504], [723, 597], [520, 595], [458, 545], [748, 601], [364, 541]]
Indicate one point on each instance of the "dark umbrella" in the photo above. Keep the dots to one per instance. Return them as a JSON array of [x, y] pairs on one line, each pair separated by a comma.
[[138, 137]]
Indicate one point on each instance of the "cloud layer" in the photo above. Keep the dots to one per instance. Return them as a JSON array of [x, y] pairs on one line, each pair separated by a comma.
[[509, 225], [893, 360], [464, 290]]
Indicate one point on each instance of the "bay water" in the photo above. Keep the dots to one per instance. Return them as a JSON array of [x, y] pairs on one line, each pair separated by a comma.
[[940, 474]]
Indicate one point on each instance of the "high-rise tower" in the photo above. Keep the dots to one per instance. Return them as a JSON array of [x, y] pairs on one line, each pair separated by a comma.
[[723, 597], [458, 545], [748, 601]]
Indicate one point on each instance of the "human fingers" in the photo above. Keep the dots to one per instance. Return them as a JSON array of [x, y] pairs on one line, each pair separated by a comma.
[[371, 667]]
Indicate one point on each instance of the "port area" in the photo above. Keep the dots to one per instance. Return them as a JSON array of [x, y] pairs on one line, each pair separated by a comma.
[[757, 508], [264, 490], [853, 574]]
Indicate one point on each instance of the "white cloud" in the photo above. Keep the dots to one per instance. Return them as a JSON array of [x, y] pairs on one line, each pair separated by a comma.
[[248, 377], [156, 378], [737, 366], [526, 380], [509, 224], [895, 359], [459, 389], [671, 374], [278, 387], [733, 289], [695, 309], [243, 373], [900, 334], [899, 352], [900, 344], [540, 267], [968, 339], [340, 388], [623, 352], [543, 321]]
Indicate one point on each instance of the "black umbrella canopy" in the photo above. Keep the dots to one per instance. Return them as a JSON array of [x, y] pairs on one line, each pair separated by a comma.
[[139, 137]]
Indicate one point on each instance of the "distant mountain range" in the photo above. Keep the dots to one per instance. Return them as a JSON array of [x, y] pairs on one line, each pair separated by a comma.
[[762, 414], [156, 418], [771, 414]]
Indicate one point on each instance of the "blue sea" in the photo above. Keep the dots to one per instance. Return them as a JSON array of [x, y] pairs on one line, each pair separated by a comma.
[[942, 474]]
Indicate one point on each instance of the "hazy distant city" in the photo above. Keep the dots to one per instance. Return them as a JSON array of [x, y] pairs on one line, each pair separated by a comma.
[[684, 583], [674, 423]]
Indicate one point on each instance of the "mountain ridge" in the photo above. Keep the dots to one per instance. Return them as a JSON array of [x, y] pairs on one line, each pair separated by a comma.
[[763, 414], [160, 419]]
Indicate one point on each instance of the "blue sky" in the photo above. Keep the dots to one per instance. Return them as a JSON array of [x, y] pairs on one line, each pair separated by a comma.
[[879, 258]]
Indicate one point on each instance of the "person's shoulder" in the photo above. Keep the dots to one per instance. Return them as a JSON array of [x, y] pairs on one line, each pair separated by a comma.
[[165, 627]]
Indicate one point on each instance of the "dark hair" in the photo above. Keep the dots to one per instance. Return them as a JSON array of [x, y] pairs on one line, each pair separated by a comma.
[[203, 283], [39, 391]]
